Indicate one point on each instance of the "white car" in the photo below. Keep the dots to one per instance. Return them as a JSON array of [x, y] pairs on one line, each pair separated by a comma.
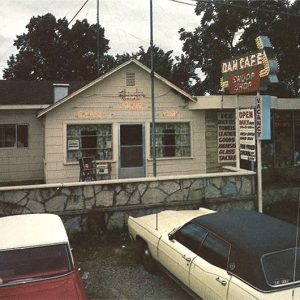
[[222, 255]]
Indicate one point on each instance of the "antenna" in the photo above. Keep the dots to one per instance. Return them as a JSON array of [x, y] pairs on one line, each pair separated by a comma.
[[98, 55], [296, 243]]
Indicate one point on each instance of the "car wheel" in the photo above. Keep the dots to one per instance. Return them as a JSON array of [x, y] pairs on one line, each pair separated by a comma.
[[148, 262]]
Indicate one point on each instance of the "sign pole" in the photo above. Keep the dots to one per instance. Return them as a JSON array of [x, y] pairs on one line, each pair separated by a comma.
[[237, 135], [259, 172]]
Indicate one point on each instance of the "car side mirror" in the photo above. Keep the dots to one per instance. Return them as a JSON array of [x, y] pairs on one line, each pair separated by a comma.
[[171, 236]]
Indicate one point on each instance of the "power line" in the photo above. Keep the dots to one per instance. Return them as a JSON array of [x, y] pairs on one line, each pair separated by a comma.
[[79, 10], [238, 6], [181, 2]]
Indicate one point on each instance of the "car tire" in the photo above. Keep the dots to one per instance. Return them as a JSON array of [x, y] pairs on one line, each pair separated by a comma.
[[148, 262]]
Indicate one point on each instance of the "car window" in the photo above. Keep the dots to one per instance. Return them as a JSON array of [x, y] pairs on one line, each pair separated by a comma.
[[34, 263], [282, 267], [191, 236], [215, 251]]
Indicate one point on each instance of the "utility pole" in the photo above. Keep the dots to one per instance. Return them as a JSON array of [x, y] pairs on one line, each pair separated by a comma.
[[98, 55], [152, 91]]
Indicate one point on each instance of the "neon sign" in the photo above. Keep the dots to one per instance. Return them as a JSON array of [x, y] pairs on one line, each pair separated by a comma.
[[250, 72]]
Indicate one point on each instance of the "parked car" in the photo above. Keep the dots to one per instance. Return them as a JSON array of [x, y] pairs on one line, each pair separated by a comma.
[[222, 255], [36, 260]]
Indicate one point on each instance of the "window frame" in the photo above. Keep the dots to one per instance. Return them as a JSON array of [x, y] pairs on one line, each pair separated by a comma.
[[17, 141], [77, 140], [161, 148]]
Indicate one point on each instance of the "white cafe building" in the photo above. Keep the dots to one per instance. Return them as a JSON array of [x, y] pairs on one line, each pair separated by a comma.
[[45, 127]]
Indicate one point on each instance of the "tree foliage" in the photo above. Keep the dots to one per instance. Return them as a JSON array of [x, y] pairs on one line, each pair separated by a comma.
[[180, 70], [53, 51], [227, 30]]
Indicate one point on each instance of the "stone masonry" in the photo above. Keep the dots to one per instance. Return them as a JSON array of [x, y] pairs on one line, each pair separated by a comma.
[[105, 205]]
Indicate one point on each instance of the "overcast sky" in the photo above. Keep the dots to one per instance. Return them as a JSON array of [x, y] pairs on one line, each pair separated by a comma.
[[126, 22]]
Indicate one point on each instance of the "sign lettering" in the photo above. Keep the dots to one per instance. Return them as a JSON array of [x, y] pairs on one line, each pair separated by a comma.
[[247, 134], [226, 137]]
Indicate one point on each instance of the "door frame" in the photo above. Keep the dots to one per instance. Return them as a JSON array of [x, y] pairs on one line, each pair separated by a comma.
[[142, 124]]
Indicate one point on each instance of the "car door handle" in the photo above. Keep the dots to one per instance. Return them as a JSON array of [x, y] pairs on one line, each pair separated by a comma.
[[223, 282], [188, 259]]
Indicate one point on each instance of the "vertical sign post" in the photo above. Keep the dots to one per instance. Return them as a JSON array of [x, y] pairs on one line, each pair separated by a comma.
[[259, 172]]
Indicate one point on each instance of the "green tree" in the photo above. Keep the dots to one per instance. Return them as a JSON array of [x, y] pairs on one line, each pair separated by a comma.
[[179, 70], [53, 51], [50, 50], [228, 28]]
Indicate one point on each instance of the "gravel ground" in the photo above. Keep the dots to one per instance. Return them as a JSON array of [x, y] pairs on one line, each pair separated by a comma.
[[111, 270]]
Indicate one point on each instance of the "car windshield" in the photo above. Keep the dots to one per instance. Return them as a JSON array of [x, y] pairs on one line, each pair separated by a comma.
[[282, 267], [27, 264]]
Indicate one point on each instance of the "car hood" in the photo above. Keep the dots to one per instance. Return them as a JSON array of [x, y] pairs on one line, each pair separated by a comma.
[[66, 287], [167, 220]]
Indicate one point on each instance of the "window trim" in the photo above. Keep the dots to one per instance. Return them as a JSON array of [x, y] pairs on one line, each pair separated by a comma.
[[189, 122], [83, 122]]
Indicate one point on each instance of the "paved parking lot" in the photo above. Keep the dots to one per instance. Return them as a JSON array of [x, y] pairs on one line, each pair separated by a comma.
[[111, 270]]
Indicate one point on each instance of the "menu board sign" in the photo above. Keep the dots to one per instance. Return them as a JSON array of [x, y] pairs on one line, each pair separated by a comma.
[[226, 137], [247, 134]]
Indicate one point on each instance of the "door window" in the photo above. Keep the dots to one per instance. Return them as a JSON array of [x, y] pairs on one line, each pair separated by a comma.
[[215, 251], [191, 236], [131, 138]]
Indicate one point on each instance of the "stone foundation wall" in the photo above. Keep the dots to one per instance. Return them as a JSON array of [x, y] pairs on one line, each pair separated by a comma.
[[105, 205]]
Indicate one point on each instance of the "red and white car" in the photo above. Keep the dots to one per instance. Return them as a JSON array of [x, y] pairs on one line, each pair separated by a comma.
[[36, 260]]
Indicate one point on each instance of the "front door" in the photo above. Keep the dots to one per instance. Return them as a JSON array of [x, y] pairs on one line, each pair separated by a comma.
[[131, 151]]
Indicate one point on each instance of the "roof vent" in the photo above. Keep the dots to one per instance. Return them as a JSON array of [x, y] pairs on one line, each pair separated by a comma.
[[61, 90]]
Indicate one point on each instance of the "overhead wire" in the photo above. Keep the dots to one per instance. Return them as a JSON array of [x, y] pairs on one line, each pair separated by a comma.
[[79, 10], [237, 6]]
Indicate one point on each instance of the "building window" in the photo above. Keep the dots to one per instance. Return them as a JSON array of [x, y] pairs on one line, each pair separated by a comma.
[[172, 140], [89, 140], [130, 79], [13, 136]]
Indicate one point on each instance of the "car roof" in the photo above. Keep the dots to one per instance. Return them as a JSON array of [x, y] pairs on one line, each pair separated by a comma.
[[251, 235], [30, 230], [250, 231]]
